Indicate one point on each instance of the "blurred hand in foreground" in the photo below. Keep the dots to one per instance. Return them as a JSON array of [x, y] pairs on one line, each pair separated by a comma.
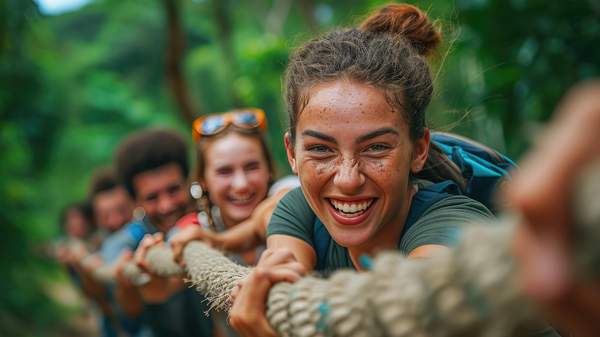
[[541, 192]]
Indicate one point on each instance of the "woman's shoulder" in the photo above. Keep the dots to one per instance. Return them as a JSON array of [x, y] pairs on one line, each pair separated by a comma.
[[441, 223], [292, 216], [460, 205], [294, 201], [286, 183]]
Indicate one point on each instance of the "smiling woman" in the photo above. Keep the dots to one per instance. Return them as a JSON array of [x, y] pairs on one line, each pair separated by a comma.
[[360, 146], [352, 175], [235, 175]]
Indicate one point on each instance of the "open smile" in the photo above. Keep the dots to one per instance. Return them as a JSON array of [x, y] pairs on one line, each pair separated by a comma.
[[241, 200], [350, 212]]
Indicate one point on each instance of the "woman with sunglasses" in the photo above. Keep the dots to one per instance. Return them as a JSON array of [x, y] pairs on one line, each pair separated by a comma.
[[235, 184], [359, 144]]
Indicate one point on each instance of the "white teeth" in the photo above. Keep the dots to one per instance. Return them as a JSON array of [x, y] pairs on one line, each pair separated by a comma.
[[241, 199], [351, 207]]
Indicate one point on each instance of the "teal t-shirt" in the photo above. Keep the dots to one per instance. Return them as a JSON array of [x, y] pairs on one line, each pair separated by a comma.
[[439, 224]]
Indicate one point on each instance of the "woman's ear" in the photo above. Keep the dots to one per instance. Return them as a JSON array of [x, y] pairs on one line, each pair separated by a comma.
[[289, 150], [420, 152]]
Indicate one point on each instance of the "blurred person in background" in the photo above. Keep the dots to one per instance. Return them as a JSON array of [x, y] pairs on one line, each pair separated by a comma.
[[76, 227], [152, 164], [112, 208], [235, 174]]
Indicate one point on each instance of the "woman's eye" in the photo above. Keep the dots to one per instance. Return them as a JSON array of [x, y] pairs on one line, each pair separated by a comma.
[[252, 166], [224, 171], [377, 148], [319, 149]]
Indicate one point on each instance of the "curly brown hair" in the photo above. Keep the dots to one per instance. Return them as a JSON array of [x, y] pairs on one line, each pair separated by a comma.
[[147, 150]]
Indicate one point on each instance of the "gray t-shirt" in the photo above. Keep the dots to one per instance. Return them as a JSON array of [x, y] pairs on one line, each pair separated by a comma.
[[440, 224]]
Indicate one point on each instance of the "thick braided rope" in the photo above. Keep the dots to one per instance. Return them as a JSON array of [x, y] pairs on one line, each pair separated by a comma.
[[212, 273], [159, 258], [468, 292]]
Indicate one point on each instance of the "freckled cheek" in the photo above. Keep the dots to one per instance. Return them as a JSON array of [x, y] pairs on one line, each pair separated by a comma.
[[317, 168], [381, 167], [313, 176]]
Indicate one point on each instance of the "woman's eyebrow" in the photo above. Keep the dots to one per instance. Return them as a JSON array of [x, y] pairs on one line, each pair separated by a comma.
[[317, 134], [376, 133]]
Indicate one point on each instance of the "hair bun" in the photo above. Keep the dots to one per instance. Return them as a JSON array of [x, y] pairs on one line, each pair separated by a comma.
[[405, 20]]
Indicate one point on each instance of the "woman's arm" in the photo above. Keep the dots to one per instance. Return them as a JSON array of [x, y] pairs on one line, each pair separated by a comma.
[[289, 255], [245, 236], [253, 231], [302, 251], [247, 315], [425, 251]]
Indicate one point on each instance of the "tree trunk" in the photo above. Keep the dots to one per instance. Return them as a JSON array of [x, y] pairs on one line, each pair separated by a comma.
[[175, 50], [307, 9], [224, 32]]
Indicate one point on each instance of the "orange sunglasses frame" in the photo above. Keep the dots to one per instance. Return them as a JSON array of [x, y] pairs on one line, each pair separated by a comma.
[[229, 119]]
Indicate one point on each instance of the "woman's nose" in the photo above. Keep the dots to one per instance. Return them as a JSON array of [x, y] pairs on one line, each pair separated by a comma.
[[348, 178], [240, 181]]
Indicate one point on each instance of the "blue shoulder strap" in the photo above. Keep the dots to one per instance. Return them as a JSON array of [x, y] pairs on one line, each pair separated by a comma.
[[321, 240], [425, 198], [422, 200]]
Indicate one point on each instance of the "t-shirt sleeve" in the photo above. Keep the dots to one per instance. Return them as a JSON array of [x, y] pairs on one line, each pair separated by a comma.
[[293, 216], [115, 244], [441, 224]]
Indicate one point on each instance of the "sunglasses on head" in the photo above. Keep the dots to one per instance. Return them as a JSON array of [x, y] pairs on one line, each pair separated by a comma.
[[211, 125]]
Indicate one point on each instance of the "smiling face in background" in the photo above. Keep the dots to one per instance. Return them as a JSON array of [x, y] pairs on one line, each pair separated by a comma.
[[163, 194], [112, 208], [353, 155], [236, 175]]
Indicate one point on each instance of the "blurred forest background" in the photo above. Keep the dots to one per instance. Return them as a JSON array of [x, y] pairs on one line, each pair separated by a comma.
[[73, 84]]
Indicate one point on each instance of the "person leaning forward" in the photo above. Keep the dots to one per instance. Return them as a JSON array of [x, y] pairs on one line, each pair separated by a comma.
[[153, 166]]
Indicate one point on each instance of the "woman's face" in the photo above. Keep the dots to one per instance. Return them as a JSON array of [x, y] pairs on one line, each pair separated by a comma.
[[236, 176], [353, 155]]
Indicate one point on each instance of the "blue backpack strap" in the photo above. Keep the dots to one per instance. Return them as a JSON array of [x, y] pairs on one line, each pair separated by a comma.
[[422, 200], [425, 198], [482, 167], [321, 240]]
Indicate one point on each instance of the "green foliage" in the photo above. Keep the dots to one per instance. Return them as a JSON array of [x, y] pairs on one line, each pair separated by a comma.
[[73, 85], [27, 126], [515, 60]]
